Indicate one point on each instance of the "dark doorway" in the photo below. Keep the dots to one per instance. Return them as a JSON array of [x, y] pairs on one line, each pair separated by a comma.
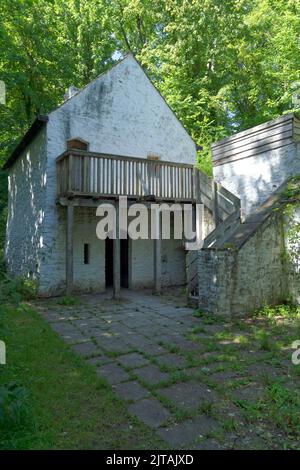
[[109, 262], [124, 263]]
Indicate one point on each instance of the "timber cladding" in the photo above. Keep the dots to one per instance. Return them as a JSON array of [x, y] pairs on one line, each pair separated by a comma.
[[259, 139]]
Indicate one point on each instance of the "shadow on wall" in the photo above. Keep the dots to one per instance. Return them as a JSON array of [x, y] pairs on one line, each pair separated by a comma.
[[3, 210], [26, 195], [255, 178]]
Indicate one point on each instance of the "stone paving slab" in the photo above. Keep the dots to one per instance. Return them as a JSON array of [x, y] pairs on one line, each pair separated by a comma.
[[144, 345], [100, 360], [113, 373], [118, 336], [188, 432], [53, 317], [189, 395], [250, 393], [171, 360], [224, 376], [167, 339], [82, 324], [131, 391], [151, 374], [207, 444], [136, 322], [86, 349], [150, 411], [113, 344], [133, 360], [256, 370], [63, 327], [185, 344], [214, 329], [73, 337]]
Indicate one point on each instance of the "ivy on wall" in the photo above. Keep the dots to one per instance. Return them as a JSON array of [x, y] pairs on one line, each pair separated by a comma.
[[291, 198]]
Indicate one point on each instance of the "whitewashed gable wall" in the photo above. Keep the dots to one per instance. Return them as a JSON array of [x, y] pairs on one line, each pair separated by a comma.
[[119, 113]]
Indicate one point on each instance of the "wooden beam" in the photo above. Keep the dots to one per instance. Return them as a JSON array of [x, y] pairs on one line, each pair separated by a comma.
[[93, 201], [83, 153], [215, 199], [70, 173], [197, 190], [116, 258], [157, 254], [69, 249]]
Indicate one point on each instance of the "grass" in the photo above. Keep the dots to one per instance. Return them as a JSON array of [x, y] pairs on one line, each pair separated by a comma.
[[68, 300], [265, 342], [51, 399]]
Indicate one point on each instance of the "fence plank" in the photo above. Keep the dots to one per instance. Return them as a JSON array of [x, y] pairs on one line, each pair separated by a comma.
[[99, 174]]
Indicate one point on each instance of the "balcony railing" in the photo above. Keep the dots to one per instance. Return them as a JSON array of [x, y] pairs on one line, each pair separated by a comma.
[[87, 174], [90, 174]]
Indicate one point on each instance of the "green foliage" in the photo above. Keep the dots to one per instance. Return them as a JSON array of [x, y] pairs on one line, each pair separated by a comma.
[[3, 209], [15, 412], [45, 47], [291, 192], [50, 398], [284, 409], [68, 300], [285, 311], [15, 290], [222, 66], [208, 318]]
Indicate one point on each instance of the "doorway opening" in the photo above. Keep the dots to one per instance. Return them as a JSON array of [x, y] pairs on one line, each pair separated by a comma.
[[124, 263], [109, 262]]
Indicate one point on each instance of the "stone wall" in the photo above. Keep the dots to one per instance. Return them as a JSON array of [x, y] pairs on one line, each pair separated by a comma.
[[91, 277], [255, 178], [236, 280], [87, 277], [118, 113], [292, 252], [25, 242], [253, 163]]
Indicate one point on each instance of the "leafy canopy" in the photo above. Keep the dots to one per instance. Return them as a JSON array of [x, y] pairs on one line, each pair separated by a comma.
[[222, 66]]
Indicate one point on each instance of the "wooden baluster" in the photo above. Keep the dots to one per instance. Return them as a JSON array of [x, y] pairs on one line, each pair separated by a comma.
[[69, 249], [215, 201], [125, 178]]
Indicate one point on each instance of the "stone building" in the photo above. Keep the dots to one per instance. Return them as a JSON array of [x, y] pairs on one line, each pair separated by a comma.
[[254, 259], [117, 136]]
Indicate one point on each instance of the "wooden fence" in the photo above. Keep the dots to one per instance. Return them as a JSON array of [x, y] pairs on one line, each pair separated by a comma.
[[81, 173], [85, 174], [107, 175]]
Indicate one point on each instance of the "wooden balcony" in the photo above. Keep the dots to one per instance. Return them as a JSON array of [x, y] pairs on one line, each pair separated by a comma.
[[84, 177], [94, 175], [82, 173]]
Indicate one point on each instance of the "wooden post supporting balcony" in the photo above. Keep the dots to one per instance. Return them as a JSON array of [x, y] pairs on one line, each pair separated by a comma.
[[69, 249], [157, 253], [117, 258], [215, 199]]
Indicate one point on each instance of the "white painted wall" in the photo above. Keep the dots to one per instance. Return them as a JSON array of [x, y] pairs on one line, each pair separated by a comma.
[[142, 264], [173, 263], [254, 179], [25, 242], [88, 277], [119, 113], [292, 249]]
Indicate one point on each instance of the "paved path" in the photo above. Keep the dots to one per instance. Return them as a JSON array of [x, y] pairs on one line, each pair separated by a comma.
[[138, 345], [158, 356]]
